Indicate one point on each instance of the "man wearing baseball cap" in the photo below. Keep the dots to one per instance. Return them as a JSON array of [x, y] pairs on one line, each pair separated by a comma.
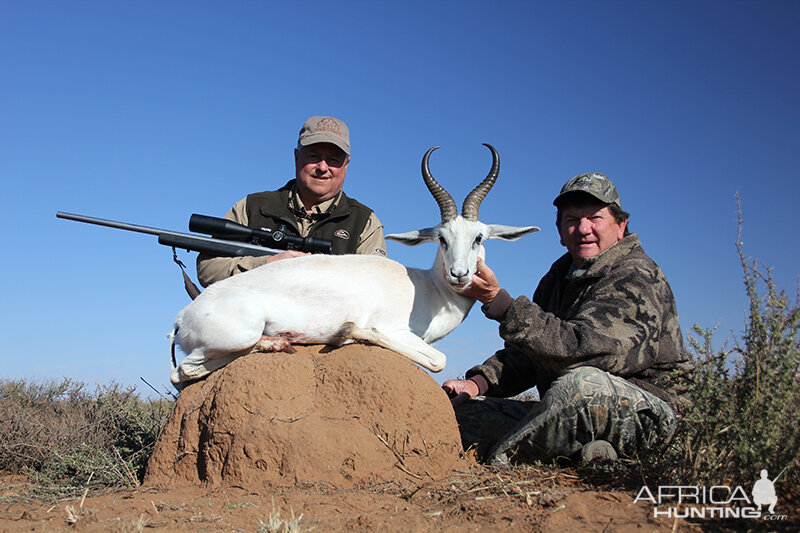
[[598, 340], [310, 205]]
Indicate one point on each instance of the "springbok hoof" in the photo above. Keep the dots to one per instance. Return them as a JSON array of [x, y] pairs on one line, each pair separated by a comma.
[[345, 332]]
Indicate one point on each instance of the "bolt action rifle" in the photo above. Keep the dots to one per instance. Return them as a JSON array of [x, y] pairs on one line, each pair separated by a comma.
[[228, 239]]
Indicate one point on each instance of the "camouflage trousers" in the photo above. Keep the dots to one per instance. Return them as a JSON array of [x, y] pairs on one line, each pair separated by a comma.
[[583, 405]]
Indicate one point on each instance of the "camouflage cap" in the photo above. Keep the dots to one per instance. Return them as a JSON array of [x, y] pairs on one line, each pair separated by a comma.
[[325, 130], [591, 183]]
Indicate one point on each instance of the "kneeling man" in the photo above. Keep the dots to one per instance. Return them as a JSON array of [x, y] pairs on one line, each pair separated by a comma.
[[598, 340]]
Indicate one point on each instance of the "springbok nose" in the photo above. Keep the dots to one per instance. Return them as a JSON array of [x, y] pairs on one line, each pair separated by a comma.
[[458, 272]]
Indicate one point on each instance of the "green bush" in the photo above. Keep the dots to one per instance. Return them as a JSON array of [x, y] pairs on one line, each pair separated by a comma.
[[746, 399], [66, 439]]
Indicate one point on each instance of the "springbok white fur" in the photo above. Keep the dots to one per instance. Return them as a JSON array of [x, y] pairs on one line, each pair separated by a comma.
[[336, 299]]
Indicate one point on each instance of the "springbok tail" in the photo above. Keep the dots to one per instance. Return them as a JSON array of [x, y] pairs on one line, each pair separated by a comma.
[[172, 336]]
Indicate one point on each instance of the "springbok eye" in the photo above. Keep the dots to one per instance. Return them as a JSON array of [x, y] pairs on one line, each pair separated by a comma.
[[443, 243], [478, 240]]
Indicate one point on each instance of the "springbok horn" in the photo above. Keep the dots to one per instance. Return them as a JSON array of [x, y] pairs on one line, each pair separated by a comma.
[[473, 201], [446, 203]]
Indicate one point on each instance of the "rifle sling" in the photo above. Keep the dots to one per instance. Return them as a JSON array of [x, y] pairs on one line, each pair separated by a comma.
[[191, 288]]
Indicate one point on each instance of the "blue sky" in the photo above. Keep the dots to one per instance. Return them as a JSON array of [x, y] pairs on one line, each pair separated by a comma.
[[147, 112]]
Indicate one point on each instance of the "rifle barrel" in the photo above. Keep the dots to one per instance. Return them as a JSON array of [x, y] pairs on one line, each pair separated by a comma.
[[177, 239], [114, 224]]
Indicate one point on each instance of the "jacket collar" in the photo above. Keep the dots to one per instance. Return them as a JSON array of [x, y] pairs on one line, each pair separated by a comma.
[[600, 264]]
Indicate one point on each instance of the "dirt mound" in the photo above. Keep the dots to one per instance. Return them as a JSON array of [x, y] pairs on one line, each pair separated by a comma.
[[354, 414]]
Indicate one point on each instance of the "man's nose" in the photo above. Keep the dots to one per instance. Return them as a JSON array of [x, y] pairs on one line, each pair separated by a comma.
[[322, 165], [585, 227]]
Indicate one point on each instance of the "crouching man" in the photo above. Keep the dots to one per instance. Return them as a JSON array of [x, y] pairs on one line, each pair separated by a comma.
[[598, 341]]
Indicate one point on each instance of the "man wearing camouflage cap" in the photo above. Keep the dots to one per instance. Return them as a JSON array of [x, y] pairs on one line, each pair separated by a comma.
[[311, 205], [598, 340]]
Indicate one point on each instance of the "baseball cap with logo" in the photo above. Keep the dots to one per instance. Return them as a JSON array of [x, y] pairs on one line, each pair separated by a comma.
[[325, 130], [592, 183]]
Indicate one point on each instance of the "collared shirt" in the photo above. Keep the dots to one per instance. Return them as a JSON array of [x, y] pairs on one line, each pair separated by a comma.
[[318, 212]]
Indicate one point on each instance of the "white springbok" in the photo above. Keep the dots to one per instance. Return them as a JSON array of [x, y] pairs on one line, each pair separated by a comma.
[[336, 299]]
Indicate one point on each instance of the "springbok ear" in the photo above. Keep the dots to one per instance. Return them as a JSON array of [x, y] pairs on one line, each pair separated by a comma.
[[413, 238], [508, 233]]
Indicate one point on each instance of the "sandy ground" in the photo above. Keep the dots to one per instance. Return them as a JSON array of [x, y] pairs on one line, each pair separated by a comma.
[[477, 499]]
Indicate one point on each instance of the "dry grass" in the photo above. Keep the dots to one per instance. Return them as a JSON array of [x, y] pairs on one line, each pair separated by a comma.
[[67, 440]]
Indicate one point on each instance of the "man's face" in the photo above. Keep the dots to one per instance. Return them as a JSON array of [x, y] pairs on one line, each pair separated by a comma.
[[589, 230], [320, 169]]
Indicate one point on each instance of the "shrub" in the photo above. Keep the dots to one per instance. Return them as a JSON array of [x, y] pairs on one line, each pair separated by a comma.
[[66, 439], [746, 400]]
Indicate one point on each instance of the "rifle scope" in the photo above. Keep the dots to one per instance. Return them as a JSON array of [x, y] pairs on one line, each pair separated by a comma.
[[221, 228]]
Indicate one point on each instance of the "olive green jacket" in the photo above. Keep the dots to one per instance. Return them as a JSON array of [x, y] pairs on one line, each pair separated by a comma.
[[618, 316]]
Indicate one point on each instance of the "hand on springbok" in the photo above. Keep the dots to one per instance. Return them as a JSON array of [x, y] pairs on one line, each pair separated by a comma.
[[342, 298], [484, 286]]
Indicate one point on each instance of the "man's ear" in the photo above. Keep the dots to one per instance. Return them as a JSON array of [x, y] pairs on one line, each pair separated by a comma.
[[622, 226], [560, 236]]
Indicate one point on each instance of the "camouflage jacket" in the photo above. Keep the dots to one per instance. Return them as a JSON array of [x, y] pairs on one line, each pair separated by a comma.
[[619, 316]]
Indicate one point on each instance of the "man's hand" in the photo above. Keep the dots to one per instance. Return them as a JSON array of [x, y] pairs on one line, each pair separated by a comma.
[[288, 254], [484, 286], [457, 386], [460, 390]]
